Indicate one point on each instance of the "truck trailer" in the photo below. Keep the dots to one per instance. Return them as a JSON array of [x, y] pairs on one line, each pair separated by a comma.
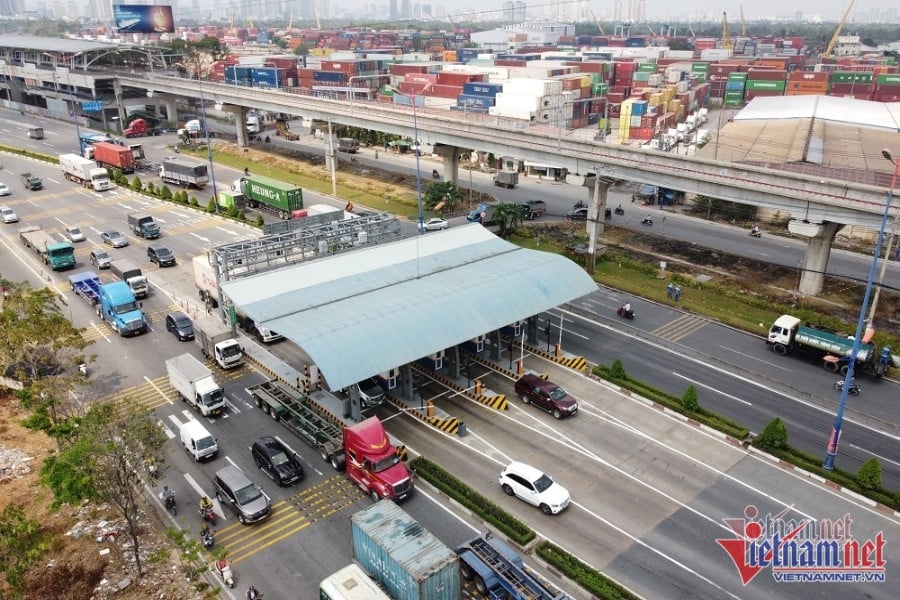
[[507, 179], [54, 253], [270, 194], [84, 171], [143, 225], [86, 286], [120, 309], [787, 336], [107, 154], [498, 571], [185, 173], [205, 280], [196, 385], [131, 274], [216, 342]]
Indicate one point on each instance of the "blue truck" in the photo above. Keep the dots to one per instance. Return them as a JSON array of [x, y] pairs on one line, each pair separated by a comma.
[[499, 572], [86, 285], [119, 308]]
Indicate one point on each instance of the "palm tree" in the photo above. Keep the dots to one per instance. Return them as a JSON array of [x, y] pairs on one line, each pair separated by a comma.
[[509, 216]]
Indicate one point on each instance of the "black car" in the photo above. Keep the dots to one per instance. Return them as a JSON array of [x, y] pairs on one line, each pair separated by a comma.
[[180, 325], [160, 255], [276, 460]]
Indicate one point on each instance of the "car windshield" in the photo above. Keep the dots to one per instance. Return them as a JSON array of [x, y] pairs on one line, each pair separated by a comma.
[[128, 307], [74, 231], [183, 323], [214, 398], [102, 256], [385, 463], [543, 483], [248, 494], [557, 393], [114, 234], [164, 253], [206, 442], [280, 458]]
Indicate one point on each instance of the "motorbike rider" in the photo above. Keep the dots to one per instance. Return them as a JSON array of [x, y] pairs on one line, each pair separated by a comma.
[[252, 594], [221, 565], [167, 496], [755, 230], [435, 174], [627, 308], [205, 504]]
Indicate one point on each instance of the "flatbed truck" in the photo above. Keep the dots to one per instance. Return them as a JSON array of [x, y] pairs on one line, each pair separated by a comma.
[[86, 286]]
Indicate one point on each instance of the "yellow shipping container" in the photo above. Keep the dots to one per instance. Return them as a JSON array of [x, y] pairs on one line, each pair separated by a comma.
[[586, 81], [448, 56], [656, 99]]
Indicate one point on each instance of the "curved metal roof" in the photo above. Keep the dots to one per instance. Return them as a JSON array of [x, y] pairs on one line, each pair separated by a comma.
[[49, 44], [367, 311]]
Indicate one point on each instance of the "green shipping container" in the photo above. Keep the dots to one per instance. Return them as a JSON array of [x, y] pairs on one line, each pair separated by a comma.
[[273, 195], [640, 76], [647, 67], [700, 67], [852, 77], [700, 75], [765, 85], [888, 79], [737, 77], [599, 89]]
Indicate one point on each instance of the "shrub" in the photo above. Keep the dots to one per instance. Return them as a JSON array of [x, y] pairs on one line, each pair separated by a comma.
[[260, 221], [772, 437], [617, 371], [869, 474], [689, 399], [211, 206], [193, 202], [165, 193], [151, 189], [136, 184]]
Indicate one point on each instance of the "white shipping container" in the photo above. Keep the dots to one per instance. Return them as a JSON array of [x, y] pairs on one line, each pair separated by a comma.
[[517, 101], [486, 56], [636, 121], [682, 86], [534, 87], [251, 60], [716, 54], [688, 54], [511, 113], [655, 80]]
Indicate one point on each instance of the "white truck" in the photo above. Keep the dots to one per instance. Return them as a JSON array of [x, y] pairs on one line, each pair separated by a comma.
[[131, 274], [216, 342], [196, 385], [84, 171], [205, 280]]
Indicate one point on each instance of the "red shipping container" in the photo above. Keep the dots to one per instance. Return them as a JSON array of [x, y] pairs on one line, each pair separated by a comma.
[[751, 94], [615, 110], [444, 91], [621, 89], [421, 79], [756, 74], [641, 133], [648, 121], [851, 88], [305, 73], [887, 96], [400, 69], [808, 86], [445, 78], [505, 62], [615, 97], [806, 77], [413, 89], [624, 67]]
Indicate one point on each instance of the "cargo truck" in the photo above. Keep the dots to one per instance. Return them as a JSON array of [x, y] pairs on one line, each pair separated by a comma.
[[86, 286], [484, 214], [371, 460], [143, 226], [184, 173], [84, 171], [31, 182], [507, 179], [196, 385], [131, 274], [499, 572], [140, 127], [270, 194], [119, 308], [787, 336], [54, 253], [107, 154], [533, 209], [351, 583], [216, 342], [205, 280], [348, 145], [404, 557]]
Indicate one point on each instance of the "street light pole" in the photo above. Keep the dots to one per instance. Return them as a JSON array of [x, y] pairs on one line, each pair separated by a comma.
[[835, 438], [209, 157]]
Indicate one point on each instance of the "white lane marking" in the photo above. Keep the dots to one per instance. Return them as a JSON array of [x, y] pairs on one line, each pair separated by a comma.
[[778, 365], [712, 389]]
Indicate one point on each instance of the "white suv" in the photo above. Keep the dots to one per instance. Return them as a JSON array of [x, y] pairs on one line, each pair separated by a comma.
[[534, 487]]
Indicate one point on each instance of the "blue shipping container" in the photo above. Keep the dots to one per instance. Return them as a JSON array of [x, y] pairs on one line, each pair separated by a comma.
[[470, 110], [735, 86], [480, 88], [466, 101], [333, 76], [403, 556]]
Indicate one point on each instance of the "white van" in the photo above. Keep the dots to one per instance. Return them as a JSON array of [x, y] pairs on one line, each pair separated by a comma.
[[197, 441]]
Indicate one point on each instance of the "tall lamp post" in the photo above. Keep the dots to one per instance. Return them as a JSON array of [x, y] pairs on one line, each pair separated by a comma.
[[209, 157], [835, 438], [414, 101]]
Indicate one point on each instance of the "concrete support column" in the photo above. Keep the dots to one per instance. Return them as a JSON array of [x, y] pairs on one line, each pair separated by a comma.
[[531, 330], [495, 345], [598, 188], [450, 168], [818, 250], [406, 382], [171, 111], [454, 362], [240, 122], [120, 104]]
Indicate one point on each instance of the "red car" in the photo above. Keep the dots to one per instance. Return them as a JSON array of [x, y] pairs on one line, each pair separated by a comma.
[[546, 395]]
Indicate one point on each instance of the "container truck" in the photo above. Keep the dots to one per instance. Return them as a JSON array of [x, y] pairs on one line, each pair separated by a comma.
[[371, 460], [507, 179], [107, 154], [184, 173], [499, 572], [131, 274], [86, 285], [404, 557], [216, 342], [270, 194], [31, 182], [119, 308], [84, 171], [787, 336], [205, 280], [143, 226], [54, 253], [196, 385]]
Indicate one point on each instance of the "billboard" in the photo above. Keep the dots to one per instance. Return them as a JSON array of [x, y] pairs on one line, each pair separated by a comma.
[[143, 18]]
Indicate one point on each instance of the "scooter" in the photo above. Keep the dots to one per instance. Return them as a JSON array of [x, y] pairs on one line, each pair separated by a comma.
[[170, 504], [207, 538], [755, 233], [435, 174], [853, 390], [625, 314], [208, 515], [619, 210], [224, 572], [647, 221]]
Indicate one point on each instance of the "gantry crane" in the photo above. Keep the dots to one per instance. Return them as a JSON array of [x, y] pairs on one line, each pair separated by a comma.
[[597, 20], [837, 33], [743, 23], [726, 37]]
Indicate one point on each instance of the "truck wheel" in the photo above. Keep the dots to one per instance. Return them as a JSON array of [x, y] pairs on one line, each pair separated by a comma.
[[374, 495], [479, 585], [779, 349], [282, 215], [336, 463], [465, 570], [844, 369], [832, 366]]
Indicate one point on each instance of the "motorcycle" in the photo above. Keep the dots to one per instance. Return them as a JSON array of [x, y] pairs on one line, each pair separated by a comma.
[[207, 537], [208, 515], [755, 233], [435, 174], [83, 369], [647, 221], [619, 210], [253, 593], [224, 572], [578, 205], [170, 504], [853, 390], [625, 314]]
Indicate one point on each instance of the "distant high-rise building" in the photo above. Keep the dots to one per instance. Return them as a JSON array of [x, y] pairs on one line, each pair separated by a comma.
[[617, 16], [519, 13], [508, 11], [405, 9], [394, 14]]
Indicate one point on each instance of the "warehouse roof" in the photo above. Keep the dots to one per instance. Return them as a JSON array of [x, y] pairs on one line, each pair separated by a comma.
[[825, 136], [366, 311], [49, 44]]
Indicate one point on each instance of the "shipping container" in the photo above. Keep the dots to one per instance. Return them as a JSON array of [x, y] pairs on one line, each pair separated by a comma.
[[407, 559], [765, 85], [482, 88]]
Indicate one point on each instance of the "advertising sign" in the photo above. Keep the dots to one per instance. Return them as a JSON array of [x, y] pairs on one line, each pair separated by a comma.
[[143, 18]]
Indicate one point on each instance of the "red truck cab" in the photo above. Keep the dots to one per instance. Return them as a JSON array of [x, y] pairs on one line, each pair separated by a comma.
[[138, 127], [372, 461]]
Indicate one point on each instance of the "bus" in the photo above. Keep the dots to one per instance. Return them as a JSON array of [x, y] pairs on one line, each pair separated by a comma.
[[350, 583]]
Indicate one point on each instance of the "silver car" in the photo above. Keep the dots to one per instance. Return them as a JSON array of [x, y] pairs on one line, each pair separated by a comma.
[[100, 259], [73, 234], [8, 215], [114, 239]]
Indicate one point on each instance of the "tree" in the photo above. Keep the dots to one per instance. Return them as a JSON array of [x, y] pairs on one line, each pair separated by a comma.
[[772, 437], [869, 474], [509, 216], [111, 453], [689, 400], [198, 57], [21, 543], [441, 191]]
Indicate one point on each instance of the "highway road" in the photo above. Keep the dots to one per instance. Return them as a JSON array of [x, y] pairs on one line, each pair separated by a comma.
[[646, 486]]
